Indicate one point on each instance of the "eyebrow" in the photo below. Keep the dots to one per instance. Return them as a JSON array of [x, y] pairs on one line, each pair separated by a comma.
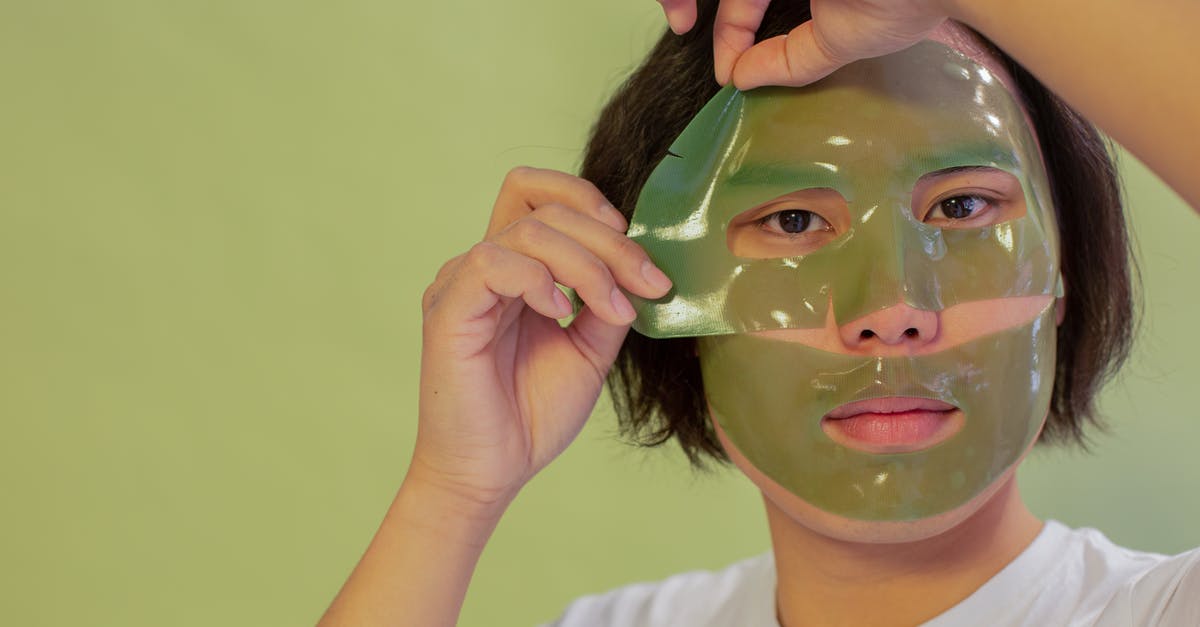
[[957, 170], [977, 154], [783, 173]]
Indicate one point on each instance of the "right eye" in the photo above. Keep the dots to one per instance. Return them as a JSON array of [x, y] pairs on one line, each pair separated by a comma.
[[793, 222], [791, 225]]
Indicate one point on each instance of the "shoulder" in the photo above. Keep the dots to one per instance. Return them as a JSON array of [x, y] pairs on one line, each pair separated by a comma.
[[1098, 582], [1078, 577], [1160, 590], [742, 593]]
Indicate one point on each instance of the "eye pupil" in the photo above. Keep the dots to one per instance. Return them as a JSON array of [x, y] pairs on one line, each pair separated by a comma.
[[960, 207], [794, 220]]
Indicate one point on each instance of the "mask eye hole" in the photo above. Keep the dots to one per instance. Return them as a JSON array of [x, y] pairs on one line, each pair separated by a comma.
[[793, 222], [791, 225], [967, 197]]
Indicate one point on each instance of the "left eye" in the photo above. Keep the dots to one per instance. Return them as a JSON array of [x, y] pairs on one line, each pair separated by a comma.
[[959, 207], [793, 222]]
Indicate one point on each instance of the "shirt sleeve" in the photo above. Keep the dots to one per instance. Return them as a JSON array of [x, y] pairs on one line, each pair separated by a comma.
[[1167, 595]]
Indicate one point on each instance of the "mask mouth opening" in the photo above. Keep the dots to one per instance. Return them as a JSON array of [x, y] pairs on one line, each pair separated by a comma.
[[889, 405], [893, 424]]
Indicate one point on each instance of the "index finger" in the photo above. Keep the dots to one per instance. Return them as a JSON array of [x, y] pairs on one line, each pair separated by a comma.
[[733, 33], [681, 14], [525, 189]]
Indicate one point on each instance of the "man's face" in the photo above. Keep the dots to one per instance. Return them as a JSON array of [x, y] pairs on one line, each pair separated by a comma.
[[870, 263]]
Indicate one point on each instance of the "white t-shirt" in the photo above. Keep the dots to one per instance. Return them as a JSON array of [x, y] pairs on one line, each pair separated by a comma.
[[1065, 577]]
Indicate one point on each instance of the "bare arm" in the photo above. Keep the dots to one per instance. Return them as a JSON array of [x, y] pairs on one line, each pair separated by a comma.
[[1128, 67], [504, 388], [417, 568]]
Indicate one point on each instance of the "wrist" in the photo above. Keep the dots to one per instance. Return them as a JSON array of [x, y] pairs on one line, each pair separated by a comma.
[[433, 492]]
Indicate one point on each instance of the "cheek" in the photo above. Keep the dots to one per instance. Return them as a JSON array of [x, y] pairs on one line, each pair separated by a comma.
[[973, 319]]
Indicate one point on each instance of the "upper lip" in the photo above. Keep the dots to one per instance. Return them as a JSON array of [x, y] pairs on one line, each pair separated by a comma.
[[888, 405]]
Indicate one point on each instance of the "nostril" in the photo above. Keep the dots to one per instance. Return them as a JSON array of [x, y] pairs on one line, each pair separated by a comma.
[[867, 334], [911, 332]]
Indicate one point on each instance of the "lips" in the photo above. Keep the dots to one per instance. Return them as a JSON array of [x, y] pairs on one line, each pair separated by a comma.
[[893, 424]]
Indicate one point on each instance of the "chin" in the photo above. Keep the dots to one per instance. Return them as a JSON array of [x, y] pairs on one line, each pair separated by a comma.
[[853, 530]]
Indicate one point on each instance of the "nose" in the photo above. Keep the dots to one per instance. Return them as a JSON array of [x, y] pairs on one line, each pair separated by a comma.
[[893, 326]]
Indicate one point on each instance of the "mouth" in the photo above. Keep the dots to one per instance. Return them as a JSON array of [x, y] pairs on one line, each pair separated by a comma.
[[893, 424]]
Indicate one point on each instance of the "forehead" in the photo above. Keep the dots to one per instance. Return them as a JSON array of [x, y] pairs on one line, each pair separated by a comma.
[[910, 109], [967, 43]]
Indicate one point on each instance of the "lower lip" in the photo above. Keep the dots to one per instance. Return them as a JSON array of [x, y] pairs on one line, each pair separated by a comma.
[[901, 432]]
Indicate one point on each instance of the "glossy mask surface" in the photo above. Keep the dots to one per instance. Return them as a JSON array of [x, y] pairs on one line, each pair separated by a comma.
[[868, 132], [769, 397]]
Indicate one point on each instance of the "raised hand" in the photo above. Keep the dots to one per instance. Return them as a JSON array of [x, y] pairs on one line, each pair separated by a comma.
[[840, 32], [504, 387]]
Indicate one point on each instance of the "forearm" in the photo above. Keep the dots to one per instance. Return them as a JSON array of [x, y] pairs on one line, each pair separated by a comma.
[[416, 570], [1128, 67]]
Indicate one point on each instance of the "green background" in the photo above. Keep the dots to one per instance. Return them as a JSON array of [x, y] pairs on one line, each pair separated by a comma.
[[216, 222]]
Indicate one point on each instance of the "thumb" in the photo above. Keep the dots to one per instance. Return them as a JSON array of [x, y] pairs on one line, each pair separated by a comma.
[[791, 60], [596, 339]]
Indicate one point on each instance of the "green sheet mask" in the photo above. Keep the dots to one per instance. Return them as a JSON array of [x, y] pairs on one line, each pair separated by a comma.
[[852, 149]]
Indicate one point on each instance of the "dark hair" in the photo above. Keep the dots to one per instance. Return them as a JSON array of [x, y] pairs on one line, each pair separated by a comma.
[[656, 385]]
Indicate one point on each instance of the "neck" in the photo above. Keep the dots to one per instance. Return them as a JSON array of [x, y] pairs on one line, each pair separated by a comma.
[[825, 581]]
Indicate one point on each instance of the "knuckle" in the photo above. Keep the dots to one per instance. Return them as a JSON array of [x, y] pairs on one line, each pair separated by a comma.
[[444, 274], [447, 268], [482, 254], [597, 273], [518, 176], [429, 297], [825, 48], [529, 233], [629, 249]]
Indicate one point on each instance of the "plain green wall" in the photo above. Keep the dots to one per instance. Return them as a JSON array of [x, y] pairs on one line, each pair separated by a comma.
[[216, 221]]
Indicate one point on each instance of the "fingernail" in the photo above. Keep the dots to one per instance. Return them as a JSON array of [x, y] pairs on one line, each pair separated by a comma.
[[562, 303], [655, 277], [622, 306]]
